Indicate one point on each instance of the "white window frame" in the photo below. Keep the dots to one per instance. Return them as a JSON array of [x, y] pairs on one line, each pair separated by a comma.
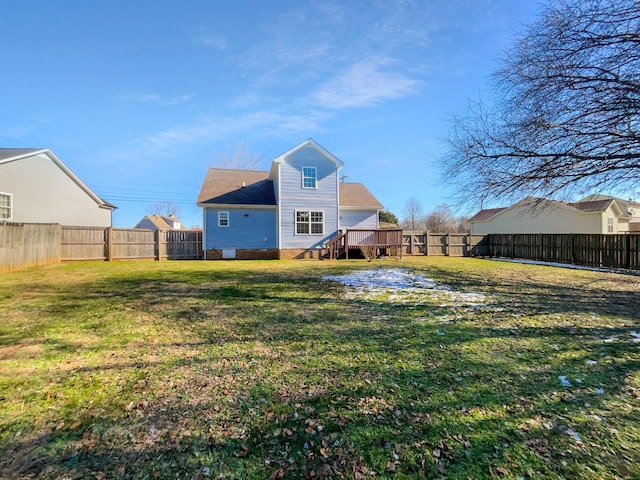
[[306, 177], [309, 222], [610, 225], [9, 196], [222, 219]]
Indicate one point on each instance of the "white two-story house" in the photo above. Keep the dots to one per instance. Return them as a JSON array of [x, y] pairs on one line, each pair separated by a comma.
[[289, 211]]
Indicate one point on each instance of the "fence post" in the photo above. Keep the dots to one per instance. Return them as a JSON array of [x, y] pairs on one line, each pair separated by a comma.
[[447, 245], [426, 242], [109, 234], [157, 239]]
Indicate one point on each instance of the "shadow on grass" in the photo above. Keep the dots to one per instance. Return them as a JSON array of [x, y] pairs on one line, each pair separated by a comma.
[[277, 377]]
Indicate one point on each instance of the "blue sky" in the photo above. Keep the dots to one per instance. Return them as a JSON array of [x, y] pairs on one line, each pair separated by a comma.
[[139, 98]]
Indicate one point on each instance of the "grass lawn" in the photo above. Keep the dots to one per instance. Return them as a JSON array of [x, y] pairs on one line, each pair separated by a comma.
[[267, 370]]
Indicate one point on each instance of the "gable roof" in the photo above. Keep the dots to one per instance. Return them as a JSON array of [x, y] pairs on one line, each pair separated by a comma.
[[252, 187], [8, 154], [14, 154], [236, 187], [486, 214], [591, 204], [161, 222], [356, 195], [308, 143]]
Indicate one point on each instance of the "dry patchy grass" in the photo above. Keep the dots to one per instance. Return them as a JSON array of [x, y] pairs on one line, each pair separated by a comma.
[[264, 370]]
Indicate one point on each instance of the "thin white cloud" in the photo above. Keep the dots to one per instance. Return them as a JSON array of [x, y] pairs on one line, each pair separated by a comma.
[[205, 38], [15, 132], [177, 100], [31, 123], [364, 84], [173, 140], [153, 98]]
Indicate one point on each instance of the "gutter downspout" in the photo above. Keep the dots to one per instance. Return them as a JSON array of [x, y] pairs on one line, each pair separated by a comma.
[[204, 233], [278, 212]]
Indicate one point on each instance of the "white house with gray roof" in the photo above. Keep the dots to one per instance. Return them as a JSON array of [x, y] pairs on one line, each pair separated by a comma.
[[37, 187], [289, 211], [592, 214]]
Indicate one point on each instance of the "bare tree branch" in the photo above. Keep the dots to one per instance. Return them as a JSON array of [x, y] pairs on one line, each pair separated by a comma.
[[240, 158], [165, 208], [412, 214], [566, 115]]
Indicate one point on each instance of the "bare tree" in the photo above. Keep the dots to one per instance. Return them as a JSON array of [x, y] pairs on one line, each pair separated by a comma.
[[463, 224], [240, 157], [166, 208], [412, 214], [566, 114], [441, 220]]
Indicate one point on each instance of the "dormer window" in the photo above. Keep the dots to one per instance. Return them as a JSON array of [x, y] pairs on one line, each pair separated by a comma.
[[309, 177]]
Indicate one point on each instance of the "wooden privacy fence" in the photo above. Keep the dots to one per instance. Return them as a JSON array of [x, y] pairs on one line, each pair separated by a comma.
[[586, 249], [29, 244], [97, 243], [416, 242]]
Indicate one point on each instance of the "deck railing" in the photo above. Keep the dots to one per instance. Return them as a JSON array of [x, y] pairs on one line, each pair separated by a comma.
[[371, 243]]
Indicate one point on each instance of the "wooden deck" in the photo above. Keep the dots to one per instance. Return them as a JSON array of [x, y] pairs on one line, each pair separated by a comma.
[[371, 243]]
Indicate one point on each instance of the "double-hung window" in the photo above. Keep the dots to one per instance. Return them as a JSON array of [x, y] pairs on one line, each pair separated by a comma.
[[610, 225], [309, 222], [309, 177], [223, 219], [5, 206]]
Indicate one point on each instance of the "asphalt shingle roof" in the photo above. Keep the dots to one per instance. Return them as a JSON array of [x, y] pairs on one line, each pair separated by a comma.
[[253, 187], [237, 187], [6, 153], [357, 195]]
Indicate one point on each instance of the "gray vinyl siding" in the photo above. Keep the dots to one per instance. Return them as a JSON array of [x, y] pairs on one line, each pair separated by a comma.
[[358, 219], [252, 228], [44, 193], [293, 197]]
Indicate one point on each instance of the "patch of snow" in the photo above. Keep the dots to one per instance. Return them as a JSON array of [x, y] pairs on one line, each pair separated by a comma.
[[402, 286], [568, 265], [564, 381], [574, 434], [600, 391], [591, 362], [636, 336]]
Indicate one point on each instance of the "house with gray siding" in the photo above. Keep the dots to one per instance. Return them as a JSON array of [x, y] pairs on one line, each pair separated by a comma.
[[37, 187], [289, 211]]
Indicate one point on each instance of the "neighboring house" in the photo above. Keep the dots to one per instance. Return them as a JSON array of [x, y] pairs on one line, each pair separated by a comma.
[[36, 187], [159, 222], [592, 214], [289, 211]]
